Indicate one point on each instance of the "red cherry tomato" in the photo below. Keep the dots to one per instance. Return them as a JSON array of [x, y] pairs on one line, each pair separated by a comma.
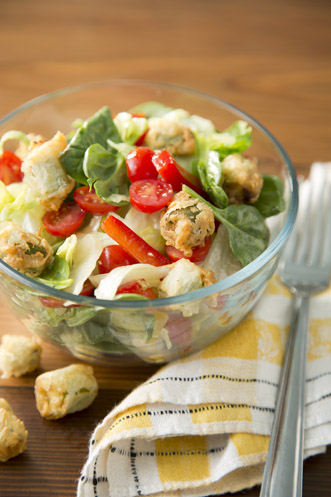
[[132, 243], [141, 139], [198, 253], [139, 164], [89, 201], [174, 174], [114, 256], [150, 195], [87, 289], [65, 221], [10, 168], [139, 287]]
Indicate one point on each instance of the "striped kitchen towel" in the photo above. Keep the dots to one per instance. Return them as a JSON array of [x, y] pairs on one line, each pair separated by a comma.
[[200, 425]]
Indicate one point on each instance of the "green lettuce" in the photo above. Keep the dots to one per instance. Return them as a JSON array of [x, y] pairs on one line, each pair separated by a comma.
[[129, 127], [271, 200], [56, 274], [97, 129]]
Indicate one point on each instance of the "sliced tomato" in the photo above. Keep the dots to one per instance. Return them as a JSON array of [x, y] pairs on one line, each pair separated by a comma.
[[65, 221], [173, 173], [198, 253], [52, 302], [114, 256], [10, 168], [139, 164], [139, 287], [150, 195], [132, 243], [89, 201]]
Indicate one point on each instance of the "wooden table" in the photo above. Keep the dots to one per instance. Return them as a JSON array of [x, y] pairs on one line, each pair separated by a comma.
[[272, 59]]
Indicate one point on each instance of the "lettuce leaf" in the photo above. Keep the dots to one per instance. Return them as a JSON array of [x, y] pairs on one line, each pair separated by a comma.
[[19, 205], [97, 129], [56, 274], [105, 170], [87, 252], [271, 200], [129, 127]]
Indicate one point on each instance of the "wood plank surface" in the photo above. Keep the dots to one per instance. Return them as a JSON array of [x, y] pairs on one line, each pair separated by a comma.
[[272, 59]]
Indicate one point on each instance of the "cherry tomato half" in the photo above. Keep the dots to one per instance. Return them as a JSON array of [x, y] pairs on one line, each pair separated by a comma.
[[175, 174], [139, 287], [139, 164], [10, 168], [150, 195], [65, 221], [114, 256], [198, 253], [52, 302], [89, 201]]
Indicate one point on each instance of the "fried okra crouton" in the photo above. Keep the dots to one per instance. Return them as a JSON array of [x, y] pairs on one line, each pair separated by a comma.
[[26, 252], [19, 355], [13, 435], [66, 390], [44, 173], [186, 223], [241, 179], [177, 138]]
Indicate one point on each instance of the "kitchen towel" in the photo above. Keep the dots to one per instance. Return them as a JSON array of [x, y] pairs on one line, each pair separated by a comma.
[[200, 426]]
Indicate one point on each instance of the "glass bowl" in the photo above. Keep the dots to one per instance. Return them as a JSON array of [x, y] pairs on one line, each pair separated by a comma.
[[130, 332]]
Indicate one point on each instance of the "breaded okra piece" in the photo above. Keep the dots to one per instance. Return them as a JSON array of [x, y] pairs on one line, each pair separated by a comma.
[[19, 355], [13, 435], [66, 390]]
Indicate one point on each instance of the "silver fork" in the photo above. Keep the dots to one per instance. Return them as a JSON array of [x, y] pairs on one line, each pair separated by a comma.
[[305, 269]]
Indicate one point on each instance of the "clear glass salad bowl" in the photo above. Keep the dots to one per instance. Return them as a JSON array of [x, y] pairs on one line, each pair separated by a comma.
[[130, 332]]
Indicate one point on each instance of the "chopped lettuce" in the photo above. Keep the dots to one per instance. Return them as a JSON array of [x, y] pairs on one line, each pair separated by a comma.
[[129, 127], [95, 130], [151, 109], [87, 253], [56, 274], [107, 284], [13, 135], [67, 249], [18, 204], [147, 226], [105, 171], [220, 258], [271, 199]]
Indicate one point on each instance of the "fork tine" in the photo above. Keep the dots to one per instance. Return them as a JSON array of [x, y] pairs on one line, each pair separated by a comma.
[[326, 246], [302, 227], [318, 214]]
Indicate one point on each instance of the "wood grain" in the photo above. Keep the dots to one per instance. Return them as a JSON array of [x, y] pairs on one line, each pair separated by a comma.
[[272, 59]]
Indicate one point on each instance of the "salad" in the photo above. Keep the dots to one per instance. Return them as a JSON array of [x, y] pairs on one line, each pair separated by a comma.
[[152, 202]]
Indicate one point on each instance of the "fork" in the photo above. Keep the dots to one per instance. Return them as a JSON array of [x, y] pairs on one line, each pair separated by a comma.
[[305, 269]]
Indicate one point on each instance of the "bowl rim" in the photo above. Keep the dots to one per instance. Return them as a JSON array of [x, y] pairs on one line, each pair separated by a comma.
[[222, 285]]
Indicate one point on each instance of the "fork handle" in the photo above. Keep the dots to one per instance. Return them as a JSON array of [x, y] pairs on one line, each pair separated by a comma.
[[284, 466]]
